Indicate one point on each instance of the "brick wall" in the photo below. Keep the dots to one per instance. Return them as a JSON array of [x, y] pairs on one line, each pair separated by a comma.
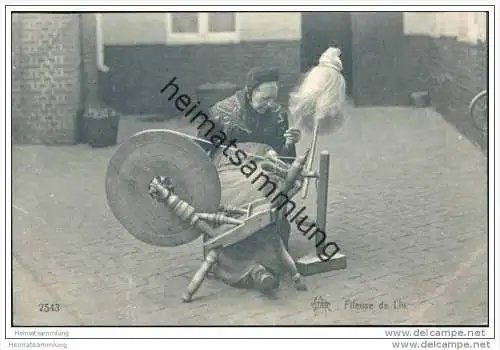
[[46, 78], [17, 86], [89, 76], [137, 73], [453, 72], [459, 72]]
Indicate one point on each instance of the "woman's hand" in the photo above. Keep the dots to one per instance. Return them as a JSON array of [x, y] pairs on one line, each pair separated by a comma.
[[272, 154], [275, 158], [292, 136]]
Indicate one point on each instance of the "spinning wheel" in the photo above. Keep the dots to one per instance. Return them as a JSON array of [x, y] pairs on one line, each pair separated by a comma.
[[165, 191]]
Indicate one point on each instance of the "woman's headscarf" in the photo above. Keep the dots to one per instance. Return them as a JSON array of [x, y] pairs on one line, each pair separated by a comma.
[[260, 75]]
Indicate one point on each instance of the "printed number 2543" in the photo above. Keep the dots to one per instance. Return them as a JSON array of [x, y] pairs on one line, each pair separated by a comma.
[[48, 307]]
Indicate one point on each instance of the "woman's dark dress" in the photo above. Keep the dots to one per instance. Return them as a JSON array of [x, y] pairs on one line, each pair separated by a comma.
[[256, 134]]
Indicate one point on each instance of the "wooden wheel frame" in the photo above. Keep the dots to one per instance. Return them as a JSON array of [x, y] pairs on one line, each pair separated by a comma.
[[139, 177], [260, 214]]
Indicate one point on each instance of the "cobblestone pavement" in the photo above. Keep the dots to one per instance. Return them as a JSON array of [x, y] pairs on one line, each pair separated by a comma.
[[407, 204]]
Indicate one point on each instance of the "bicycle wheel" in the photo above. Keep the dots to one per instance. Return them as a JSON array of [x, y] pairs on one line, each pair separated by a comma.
[[478, 111]]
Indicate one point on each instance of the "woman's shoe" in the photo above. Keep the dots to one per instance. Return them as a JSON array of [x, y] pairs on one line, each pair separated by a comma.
[[264, 280]]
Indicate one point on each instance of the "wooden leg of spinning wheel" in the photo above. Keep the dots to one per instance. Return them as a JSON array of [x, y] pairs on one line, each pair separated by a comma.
[[287, 260], [200, 275]]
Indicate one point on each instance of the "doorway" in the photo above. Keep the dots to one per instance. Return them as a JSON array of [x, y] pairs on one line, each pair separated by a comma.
[[321, 30]]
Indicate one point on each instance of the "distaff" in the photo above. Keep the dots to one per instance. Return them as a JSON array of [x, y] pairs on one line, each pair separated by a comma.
[[316, 103]]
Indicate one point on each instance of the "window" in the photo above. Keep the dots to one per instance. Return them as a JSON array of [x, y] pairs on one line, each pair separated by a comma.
[[202, 27]]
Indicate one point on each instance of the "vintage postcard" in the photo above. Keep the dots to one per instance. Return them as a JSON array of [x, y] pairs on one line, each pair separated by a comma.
[[230, 166]]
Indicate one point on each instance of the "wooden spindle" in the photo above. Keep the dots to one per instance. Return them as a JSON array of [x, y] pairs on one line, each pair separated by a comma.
[[293, 174], [219, 219], [310, 161], [232, 209]]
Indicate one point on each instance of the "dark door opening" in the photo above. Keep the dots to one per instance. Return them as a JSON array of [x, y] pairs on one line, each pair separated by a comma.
[[321, 30]]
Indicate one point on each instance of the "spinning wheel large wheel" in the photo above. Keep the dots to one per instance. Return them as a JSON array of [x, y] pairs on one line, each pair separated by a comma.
[[189, 174]]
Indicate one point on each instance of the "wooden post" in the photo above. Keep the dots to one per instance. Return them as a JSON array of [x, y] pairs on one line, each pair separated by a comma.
[[312, 263], [322, 198]]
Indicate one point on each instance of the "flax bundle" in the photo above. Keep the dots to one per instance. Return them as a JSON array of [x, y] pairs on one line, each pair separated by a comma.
[[318, 100], [316, 104]]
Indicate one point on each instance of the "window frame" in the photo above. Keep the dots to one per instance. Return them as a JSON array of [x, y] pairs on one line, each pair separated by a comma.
[[203, 35]]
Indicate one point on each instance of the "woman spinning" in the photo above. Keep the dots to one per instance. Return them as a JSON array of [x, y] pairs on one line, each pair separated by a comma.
[[258, 125]]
